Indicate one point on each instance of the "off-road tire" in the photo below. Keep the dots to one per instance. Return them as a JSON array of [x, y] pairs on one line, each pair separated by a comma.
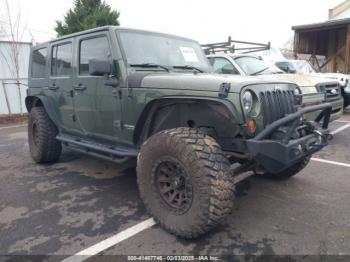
[[289, 172], [42, 132], [205, 164]]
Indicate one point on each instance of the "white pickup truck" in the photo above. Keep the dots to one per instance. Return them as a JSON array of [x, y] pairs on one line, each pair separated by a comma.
[[304, 67]]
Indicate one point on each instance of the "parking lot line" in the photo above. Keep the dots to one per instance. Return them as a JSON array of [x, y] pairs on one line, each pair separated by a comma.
[[111, 241], [6, 127], [330, 162], [342, 121], [340, 129]]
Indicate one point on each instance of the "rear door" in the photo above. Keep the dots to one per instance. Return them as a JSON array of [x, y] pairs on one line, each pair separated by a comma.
[[97, 106], [60, 83]]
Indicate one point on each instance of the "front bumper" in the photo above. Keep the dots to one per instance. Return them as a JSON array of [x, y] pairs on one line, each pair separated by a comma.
[[346, 97], [276, 155]]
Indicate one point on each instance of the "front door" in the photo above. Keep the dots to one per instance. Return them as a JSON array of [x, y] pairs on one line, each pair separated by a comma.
[[97, 107]]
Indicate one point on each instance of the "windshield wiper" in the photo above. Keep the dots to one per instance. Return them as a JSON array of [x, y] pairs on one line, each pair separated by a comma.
[[260, 71], [150, 65], [188, 67]]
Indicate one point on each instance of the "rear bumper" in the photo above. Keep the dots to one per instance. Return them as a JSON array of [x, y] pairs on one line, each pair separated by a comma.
[[276, 155]]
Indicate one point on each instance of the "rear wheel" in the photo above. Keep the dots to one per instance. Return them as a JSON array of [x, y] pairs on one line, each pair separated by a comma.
[[183, 181], [291, 171], [42, 132]]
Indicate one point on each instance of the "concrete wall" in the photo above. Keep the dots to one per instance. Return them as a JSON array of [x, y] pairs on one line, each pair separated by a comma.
[[16, 92]]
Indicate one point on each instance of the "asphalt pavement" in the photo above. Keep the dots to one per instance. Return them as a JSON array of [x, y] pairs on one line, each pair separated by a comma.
[[64, 208]]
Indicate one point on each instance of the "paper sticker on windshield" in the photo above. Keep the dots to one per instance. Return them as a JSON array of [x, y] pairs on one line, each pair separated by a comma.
[[189, 54]]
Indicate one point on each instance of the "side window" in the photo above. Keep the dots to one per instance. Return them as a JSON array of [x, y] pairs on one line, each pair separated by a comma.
[[61, 60], [219, 63], [93, 48], [39, 58]]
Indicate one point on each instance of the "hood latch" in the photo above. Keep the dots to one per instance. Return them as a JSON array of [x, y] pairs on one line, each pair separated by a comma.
[[224, 90]]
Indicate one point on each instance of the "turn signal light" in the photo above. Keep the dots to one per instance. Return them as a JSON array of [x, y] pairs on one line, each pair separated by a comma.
[[251, 126]]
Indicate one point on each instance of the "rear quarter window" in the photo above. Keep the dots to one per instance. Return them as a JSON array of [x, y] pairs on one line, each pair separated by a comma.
[[39, 61]]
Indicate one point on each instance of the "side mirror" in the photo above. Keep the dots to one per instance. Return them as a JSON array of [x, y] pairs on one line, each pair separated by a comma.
[[228, 69], [99, 67]]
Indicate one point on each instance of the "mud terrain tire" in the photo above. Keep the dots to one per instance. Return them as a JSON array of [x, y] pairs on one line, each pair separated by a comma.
[[206, 191]]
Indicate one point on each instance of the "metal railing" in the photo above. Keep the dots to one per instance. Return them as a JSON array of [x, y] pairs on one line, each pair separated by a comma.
[[12, 95]]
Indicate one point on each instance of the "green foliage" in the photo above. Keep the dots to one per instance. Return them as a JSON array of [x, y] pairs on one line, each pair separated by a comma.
[[87, 14]]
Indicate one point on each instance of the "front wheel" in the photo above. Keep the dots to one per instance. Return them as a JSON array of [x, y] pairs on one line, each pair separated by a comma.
[[183, 181], [289, 172]]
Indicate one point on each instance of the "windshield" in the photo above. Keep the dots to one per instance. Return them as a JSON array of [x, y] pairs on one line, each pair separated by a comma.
[[253, 65], [158, 49]]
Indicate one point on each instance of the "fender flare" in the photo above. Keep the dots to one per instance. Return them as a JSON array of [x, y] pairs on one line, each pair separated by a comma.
[[152, 106], [34, 101]]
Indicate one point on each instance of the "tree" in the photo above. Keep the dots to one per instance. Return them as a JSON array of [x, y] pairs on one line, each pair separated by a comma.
[[10, 54], [87, 14]]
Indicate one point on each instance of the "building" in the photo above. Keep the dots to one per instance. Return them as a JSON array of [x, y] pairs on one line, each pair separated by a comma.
[[14, 59], [329, 40]]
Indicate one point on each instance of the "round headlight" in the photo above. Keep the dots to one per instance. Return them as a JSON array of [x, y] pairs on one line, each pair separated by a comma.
[[247, 100]]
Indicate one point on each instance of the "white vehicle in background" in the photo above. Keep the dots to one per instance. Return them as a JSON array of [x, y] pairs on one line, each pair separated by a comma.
[[311, 87], [304, 67]]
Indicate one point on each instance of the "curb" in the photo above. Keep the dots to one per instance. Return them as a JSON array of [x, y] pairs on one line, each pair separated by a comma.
[[14, 118]]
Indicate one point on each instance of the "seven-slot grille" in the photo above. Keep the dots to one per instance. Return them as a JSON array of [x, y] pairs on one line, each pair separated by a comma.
[[332, 91], [276, 104]]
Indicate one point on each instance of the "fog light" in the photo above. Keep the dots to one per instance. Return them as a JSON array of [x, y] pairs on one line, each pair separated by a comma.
[[251, 126]]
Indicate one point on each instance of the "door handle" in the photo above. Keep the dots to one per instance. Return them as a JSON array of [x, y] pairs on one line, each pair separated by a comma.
[[54, 87], [79, 87]]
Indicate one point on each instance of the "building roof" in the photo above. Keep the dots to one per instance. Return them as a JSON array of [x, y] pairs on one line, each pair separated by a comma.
[[323, 25]]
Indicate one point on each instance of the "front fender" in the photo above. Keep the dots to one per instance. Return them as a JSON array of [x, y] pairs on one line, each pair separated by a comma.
[[146, 118]]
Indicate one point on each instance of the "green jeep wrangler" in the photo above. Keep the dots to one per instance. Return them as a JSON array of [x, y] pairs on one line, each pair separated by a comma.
[[121, 94]]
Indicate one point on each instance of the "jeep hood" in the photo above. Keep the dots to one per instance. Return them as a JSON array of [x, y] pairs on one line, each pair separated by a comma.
[[196, 82], [307, 83]]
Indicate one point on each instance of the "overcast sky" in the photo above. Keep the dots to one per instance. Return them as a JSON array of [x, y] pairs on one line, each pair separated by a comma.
[[205, 21]]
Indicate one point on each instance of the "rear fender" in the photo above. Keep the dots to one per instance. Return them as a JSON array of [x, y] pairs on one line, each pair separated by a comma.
[[35, 101]]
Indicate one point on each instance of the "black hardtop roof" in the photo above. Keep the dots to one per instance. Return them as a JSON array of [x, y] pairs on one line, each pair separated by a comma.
[[107, 28]]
